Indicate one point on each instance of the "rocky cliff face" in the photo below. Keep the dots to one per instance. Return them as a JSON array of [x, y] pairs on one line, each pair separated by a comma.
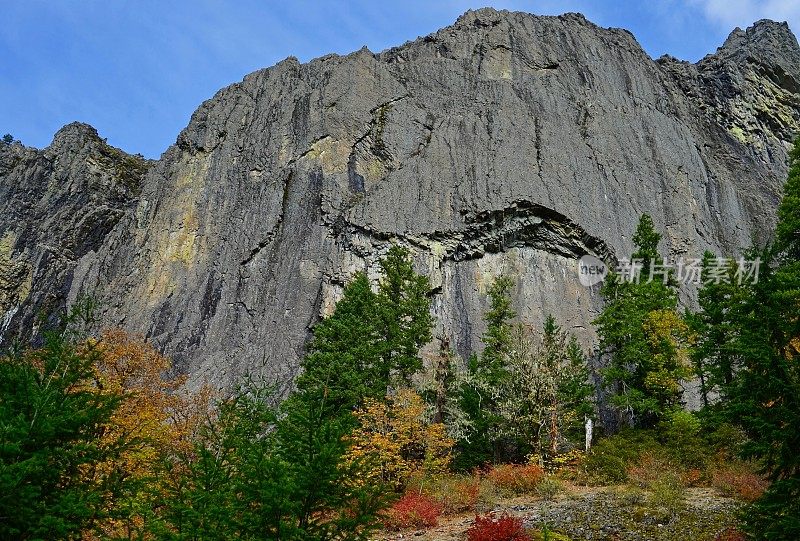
[[504, 143], [56, 206]]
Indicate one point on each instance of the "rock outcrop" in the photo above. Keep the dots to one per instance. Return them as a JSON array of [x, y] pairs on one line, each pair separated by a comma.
[[504, 143], [56, 207]]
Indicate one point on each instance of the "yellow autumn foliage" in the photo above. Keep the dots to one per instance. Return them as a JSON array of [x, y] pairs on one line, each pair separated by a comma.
[[397, 441], [670, 341], [793, 350], [155, 419]]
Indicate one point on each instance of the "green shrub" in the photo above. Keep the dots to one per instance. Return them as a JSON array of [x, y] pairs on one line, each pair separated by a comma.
[[724, 438], [549, 487], [631, 496], [488, 496], [680, 434], [663, 501], [545, 534], [610, 458], [667, 493], [775, 515], [680, 424], [605, 468]]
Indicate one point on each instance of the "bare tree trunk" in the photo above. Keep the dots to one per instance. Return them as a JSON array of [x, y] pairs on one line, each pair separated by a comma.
[[589, 429], [554, 430]]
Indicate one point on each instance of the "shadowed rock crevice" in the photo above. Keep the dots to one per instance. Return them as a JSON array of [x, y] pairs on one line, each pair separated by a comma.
[[521, 224]]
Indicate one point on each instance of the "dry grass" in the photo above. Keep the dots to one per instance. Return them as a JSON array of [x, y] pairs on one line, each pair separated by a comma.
[[454, 493], [516, 479]]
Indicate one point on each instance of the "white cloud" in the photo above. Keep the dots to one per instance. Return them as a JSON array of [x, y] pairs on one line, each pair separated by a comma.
[[743, 13]]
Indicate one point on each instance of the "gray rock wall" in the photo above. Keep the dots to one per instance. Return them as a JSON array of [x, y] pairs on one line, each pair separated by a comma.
[[56, 207], [504, 143]]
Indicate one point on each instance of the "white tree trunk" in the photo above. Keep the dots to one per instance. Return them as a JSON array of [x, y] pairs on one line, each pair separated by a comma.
[[589, 427]]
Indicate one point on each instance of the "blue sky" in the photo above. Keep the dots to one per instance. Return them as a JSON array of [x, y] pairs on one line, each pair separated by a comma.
[[136, 70]]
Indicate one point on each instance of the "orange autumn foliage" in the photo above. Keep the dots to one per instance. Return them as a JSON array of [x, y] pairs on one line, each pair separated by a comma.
[[516, 478], [156, 419]]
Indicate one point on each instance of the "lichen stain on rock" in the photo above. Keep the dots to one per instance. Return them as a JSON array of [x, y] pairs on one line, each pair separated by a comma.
[[182, 246], [497, 64], [330, 155], [435, 257], [178, 243], [16, 275], [374, 170], [331, 294], [753, 117], [7, 246], [491, 266], [193, 171]]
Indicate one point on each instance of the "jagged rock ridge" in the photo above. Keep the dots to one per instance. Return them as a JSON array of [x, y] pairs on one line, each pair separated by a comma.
[[56, 206], [504, 143]]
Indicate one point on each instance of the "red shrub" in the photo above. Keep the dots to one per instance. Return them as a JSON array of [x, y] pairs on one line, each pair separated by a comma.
[[502, 528], [730, 534], [648, 469], [413, 510], [692, 477], [515, 478], [739, 482]]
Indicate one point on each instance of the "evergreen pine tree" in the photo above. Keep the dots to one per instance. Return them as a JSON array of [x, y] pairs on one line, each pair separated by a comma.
[[576, 393], [646, 240], [765, 396], [642, 335], [497, 337], [405, 314], [440, 384], [487, 377], [369, 339], [715, 355], [787, 234], [51, 424], [344, 363], [334, 496], [554, 359], [257, 473]]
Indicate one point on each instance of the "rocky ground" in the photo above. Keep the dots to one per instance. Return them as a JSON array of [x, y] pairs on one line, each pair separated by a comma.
[[604, 513]]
